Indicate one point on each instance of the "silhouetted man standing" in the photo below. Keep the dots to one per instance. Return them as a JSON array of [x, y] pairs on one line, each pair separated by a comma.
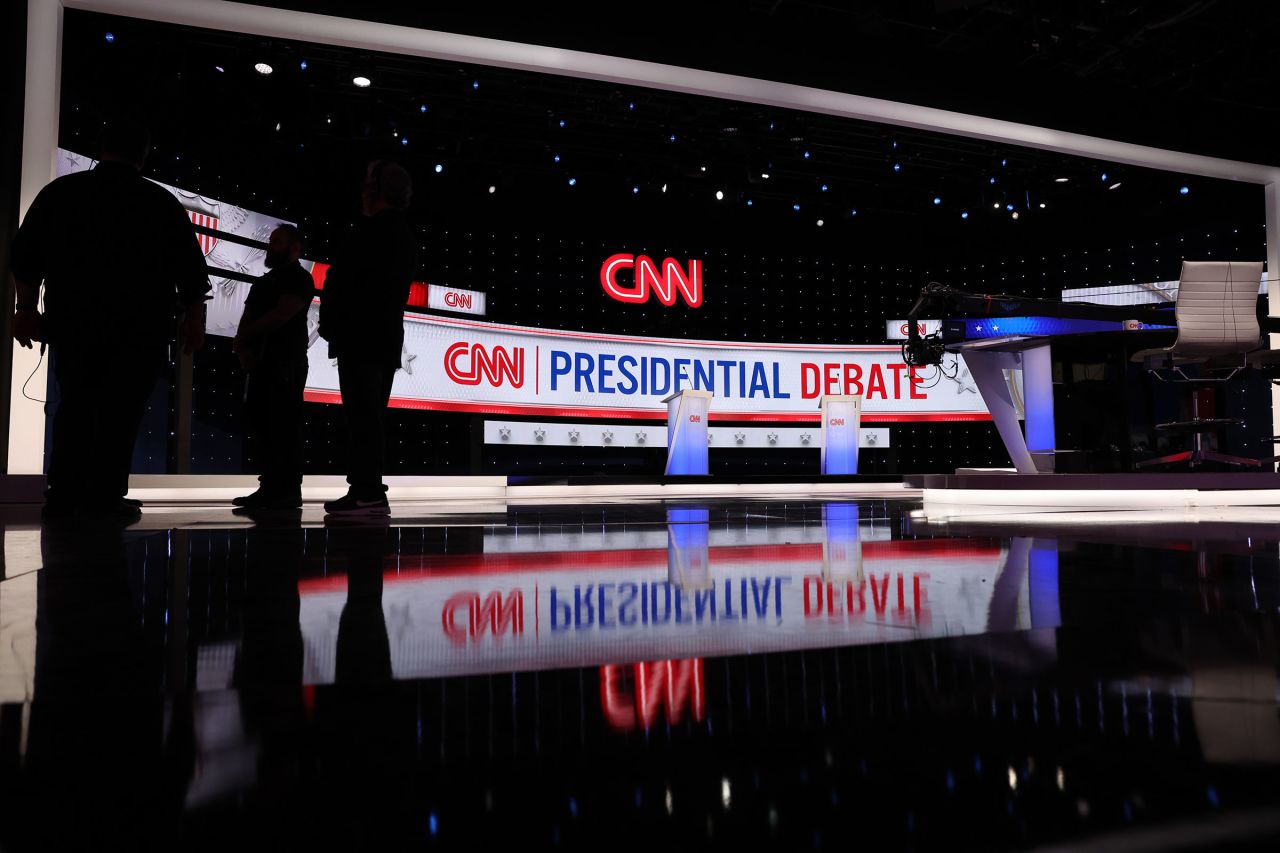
[[272, 344], [118, 259], [362, 318]]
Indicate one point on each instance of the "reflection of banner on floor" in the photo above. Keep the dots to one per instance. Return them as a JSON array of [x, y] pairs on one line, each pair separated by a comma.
[[463, 365], [476, 613]]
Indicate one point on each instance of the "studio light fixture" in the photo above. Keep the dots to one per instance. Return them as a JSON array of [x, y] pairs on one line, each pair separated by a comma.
[[964, 214], [492, 189], [795, 207], [263, 68], [110, 37], [1183, 190], [719, 195], [362, 82], [573, 182], [824, 187], [635, 190], [439, 168], [1015, 214], [1060, 180], [764, 175], [302, 66], [937, 200], [422, 108], [1114, 186], [897, 167], [1042, 205]]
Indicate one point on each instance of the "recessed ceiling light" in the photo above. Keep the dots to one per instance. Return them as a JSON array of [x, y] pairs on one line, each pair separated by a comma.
[[1060, 180], [1116, 185], [719, 195], [263, 68], [362, 82]]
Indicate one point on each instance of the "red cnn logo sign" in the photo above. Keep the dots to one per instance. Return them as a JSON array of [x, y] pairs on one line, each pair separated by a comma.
[[673, 686], [673, 279], [457, 300], [493, 615], [469, 364]]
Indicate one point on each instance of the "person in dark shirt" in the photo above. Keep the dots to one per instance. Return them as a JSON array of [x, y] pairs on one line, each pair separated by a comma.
[[362, 318], [119, 261], [272, 344]]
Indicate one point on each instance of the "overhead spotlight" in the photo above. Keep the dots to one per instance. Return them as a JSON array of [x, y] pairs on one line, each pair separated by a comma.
[[219, 69], [1015, 214], [556, 158], [897, 167], [1183, 190], [1114, 186], [1060, 180], [664, 187], [702, 168], [562, 122], [573, 182], [937, 200], [1042, 205], [795, 207], [771, 125], [996, 205], [302, 66], [395, 133], [964, 214], [475, 84], [263, 68], [671, 138], [895, 144], [764, 175], [422, 108], [1004, 162], [806, 155], [824, 187], [819, 223], [492, 189], [404, 140], [362, 82], [992, 180], [1008, 207], [749, 202], [635, 190], [719, 195], [110, 37], [853, 212], [277, 127], [631, 106], [1103, 178], [439, 168], [730, 129]]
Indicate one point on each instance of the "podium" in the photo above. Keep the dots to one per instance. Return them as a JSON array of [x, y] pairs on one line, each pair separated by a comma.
[[841, 417], [687, 432]]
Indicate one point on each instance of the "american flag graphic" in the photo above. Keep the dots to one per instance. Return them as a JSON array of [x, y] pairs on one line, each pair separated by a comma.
[[207, 241]]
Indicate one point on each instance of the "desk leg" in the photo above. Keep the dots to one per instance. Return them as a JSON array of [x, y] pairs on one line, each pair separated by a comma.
[[1037, 386], [987, 370]]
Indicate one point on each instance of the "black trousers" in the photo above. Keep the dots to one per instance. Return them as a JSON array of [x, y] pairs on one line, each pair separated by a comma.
[[102, 395], [365, 384], [273, 401]]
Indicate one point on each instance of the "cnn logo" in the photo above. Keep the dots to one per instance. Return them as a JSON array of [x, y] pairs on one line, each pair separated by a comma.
[[457, 300], [470, 364], [666, 285]]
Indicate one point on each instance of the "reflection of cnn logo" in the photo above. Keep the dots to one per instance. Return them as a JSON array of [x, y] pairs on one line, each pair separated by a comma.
[[648, 280], [470, 364]]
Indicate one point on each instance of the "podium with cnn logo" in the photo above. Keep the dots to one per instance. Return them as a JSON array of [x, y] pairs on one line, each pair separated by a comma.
[[687, 432], [841, 419]]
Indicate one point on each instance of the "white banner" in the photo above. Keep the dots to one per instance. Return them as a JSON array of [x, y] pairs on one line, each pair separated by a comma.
[[679, 594], [468, 366], [441, 298], [899, 330]]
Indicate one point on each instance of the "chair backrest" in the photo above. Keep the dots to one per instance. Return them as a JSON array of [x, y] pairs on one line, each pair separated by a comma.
[[1217, 307]]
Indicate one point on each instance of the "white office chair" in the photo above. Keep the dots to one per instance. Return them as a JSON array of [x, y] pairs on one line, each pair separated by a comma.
[[1217, 327]]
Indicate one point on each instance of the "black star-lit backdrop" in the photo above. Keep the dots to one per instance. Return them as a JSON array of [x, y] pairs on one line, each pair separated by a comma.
[[810, 229]]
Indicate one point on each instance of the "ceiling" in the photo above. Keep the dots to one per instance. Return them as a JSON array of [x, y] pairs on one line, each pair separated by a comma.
[[1196, 75], [630, 160]]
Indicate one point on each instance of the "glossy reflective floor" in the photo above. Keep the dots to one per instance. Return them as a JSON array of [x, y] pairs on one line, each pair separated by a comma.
[[768, 673]]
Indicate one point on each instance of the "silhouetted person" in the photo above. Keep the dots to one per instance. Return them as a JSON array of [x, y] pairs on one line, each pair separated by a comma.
[[118, 259], [362, 318], [272, 344]]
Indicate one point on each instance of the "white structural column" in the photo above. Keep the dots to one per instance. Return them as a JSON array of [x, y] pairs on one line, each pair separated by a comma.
[[39, 144], [1272, 196]]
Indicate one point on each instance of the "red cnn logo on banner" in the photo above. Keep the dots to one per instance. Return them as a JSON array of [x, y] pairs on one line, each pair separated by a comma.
[[469, 364], [672, 279]]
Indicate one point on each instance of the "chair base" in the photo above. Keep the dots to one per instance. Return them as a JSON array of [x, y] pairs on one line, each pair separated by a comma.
[[1198, 457]]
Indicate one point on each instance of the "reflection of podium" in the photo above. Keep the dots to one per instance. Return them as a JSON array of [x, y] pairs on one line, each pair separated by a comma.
[[841, 417], [841, 547], [688, 566], [687, 432]]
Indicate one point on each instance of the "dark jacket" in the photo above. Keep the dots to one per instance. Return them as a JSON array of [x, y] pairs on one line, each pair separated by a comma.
[[367, 287], [117, 255]]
